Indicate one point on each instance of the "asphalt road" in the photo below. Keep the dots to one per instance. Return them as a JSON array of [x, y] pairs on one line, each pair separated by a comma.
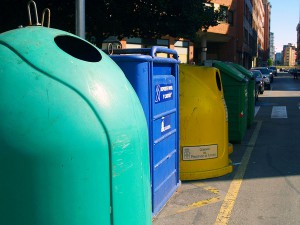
[[264, 187]]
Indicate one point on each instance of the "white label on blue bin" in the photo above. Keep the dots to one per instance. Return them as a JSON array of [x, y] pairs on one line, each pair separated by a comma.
[[163, 92], [165, 123], [200, 152]]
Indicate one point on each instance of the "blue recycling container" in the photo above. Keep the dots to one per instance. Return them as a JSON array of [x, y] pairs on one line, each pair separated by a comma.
[[155, 80]]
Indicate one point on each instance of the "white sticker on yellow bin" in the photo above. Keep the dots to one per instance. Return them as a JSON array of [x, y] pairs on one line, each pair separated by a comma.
[[200, 152]]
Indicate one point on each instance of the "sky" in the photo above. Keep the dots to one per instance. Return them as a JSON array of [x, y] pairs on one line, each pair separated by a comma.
[[285, 16]]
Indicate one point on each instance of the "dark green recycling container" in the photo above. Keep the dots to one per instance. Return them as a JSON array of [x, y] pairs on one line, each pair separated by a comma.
[[235, 86], [251, 91], [68, 155]]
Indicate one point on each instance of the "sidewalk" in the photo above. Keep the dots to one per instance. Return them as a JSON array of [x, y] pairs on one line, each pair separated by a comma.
[[187, 204], [199, 202]]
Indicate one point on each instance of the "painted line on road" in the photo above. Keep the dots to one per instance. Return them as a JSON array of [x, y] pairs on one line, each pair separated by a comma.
[[203, 202], [200, 204], [231, 196], [279, 112], [256, 110]]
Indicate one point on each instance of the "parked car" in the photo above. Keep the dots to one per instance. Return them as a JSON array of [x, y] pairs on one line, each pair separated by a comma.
[[265, 78], [274, 70], [259, 81], [266, 74]]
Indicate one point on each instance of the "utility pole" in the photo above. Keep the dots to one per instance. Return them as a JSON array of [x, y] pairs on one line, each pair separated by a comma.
[[80, 18]]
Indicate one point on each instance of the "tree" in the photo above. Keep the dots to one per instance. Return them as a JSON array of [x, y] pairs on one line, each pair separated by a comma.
[[130, 18], [270, 62], [152, 18]]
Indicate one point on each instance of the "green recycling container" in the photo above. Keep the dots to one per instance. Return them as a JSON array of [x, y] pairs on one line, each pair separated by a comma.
[[251, 91], [235, 87], [68, 155]]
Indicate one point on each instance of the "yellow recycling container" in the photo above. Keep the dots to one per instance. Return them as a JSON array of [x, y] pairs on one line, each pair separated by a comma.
[[203, 124]]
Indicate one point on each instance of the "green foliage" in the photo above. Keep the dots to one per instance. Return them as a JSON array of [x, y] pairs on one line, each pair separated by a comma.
[[130, 18], [154, 18], [270, 62]]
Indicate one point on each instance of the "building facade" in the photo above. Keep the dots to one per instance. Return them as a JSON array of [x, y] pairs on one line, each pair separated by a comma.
[[272, 47], [267, 23], [219, 42], [289, 55], [242, 38], [278, 58], [258, 27], [298, 42], [232, 40], [183, 47], [249, 36]]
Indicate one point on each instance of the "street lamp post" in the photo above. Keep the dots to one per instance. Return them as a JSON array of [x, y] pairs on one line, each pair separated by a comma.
[[203, 48], [80, 18]]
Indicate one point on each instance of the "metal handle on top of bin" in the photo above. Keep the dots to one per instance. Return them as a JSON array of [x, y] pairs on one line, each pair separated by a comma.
[[35, 12], [150, 51], [46, 10]]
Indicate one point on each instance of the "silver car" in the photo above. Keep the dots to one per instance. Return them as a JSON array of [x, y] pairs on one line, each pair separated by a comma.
[[266, 76]]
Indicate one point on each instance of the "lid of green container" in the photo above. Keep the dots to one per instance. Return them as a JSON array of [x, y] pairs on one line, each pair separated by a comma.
[[242, 69], [229, 71]]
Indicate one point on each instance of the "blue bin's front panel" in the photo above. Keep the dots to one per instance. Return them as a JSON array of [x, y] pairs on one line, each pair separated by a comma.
[[165, 134], [156, 85]]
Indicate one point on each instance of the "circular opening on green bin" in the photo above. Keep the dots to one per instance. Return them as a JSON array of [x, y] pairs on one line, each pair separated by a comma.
[[218, 80], [78, 48]]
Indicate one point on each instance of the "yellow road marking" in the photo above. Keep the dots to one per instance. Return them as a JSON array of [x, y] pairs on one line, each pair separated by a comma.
[[212, 190], [230, 198], [199, 204], [204, 202]]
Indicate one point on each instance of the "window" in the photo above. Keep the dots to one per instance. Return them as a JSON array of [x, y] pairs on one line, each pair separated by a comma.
[[224, 12], [230, 17]]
